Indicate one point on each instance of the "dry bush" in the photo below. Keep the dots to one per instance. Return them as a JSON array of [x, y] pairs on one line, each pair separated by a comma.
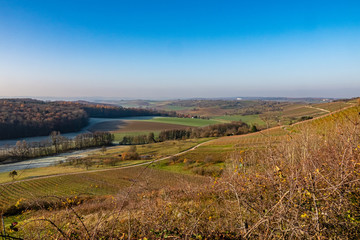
[[130, 156], [307, 186], [304, 187]]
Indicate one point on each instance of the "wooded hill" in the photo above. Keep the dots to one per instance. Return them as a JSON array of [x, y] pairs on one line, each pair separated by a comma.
[[29, 117]]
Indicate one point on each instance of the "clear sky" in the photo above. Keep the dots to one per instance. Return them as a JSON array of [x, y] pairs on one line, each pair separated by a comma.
[[175, 49]]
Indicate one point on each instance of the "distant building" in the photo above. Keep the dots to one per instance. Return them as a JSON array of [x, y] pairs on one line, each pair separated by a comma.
[[239, 98]]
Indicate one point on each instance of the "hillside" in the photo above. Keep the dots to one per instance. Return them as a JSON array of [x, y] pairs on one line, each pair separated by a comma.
[[294, 181]]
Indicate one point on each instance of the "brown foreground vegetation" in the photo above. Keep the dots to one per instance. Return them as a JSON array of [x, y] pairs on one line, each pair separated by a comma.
[[306, 186]]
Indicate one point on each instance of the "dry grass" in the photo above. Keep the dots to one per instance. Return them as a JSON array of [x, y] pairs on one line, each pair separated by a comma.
[[306, 186]]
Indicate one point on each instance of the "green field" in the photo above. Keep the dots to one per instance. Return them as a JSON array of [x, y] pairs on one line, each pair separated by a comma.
[[119, 136], [181, 175], [191, 122], [248, 119]]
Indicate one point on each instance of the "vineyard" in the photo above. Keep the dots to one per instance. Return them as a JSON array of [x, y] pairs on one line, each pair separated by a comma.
[[164, 184], [107, 182]]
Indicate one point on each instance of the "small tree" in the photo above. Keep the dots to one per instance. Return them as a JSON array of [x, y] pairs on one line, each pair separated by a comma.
[[103, 149], [13, 174], [88, 163], [151, 138], [253, 128]]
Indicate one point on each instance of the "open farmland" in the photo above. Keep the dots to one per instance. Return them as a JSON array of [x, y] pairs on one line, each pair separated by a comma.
[[135, 126], [107, 182], [118, 136], [217, 158], [248, 119], [122, 128], [102, 159], [221, 149], [299, 111], [191, 122], [333, 106]]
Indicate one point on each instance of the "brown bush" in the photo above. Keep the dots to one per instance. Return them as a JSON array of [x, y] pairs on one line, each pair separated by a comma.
[[305, 187], [130, 156]]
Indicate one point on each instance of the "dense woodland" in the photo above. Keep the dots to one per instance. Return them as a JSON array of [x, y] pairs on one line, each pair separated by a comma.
[[29, 117], [110, 111], [217, 130]]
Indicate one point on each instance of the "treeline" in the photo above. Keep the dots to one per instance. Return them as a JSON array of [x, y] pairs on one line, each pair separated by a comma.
[[218, 130], [110, 111], [28, 117], [56, 144]]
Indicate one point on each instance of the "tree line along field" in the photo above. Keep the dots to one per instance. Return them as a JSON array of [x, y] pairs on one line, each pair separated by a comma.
[[290, 113], [255, 189], [29, 117], [234, 160], [113, 155]]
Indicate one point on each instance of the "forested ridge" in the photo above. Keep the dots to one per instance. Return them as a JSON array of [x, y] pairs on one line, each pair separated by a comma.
[[29, 117]]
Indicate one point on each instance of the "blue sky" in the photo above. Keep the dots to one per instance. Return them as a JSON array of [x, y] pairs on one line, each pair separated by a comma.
[[179, 49]]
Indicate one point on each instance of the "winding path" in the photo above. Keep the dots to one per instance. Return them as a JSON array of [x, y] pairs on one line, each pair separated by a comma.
[[108, 169], [164, 158]]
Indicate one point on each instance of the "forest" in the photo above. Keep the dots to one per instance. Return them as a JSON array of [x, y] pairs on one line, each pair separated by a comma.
[[29, 117]]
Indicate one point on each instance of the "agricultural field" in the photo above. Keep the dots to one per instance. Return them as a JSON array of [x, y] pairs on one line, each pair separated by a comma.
[[248, 119], [182, 174], [122, 128], [333, 106], [221, 149], [118, 136], [304, 110], [102, 158], [191, 122], [272, 114], [155, 150], [107, 182], [138, 125], [321, 124]]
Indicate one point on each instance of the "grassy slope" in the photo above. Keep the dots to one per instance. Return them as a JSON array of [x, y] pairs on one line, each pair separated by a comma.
[[248, 119], [86, 183], [219, 149], [114, 180]]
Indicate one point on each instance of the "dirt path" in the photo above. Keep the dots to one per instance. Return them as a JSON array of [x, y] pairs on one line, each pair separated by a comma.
[[108, 169], [178, 154], [320, 109]]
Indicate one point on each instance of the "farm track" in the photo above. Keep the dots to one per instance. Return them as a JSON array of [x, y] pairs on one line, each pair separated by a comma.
[[109, 169], [320, 109], [263, 132], [283, 127]]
